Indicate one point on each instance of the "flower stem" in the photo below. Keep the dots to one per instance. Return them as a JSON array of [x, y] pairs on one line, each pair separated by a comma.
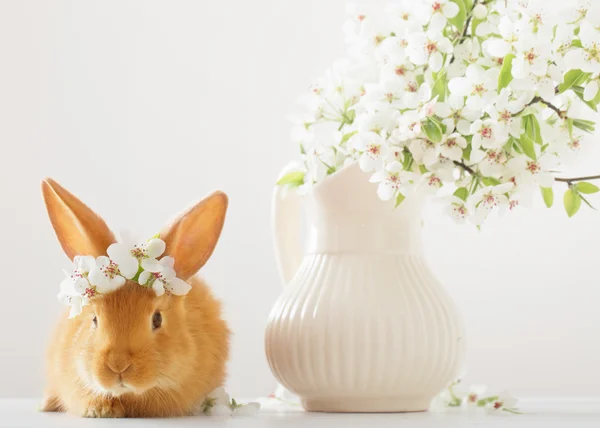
[[455, 400]]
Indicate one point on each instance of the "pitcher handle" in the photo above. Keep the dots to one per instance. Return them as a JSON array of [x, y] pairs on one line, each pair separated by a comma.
[[287, 240]]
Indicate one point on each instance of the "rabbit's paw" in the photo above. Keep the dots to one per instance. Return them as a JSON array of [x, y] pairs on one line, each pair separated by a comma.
[[104, 408]]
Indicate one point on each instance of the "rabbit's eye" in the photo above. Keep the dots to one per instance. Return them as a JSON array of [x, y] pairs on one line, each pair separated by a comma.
[[95, 321], [156, 320]]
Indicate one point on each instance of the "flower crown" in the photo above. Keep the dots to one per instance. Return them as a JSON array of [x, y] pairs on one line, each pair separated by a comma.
[[102, 275]]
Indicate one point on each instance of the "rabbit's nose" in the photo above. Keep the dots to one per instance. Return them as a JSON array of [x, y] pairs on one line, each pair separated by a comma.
[[118, 364], [119, 368]]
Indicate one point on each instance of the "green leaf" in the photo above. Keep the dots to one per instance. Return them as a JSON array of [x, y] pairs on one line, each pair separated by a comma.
[[462, 193], [407, 161], [579, 92], [467, 153], [433, 130], [440, 88], [587, 188], [527, 145], [548, 195], [584, 125], [570, 127], [346, 137], [423, 169], [505, 76], [532, 128], [468, 4], [513, 144], [439, 123], [587, 202], [572, 201], [459, 20], [596, 99], [491, 181], [573, 78], [400, 198], [294, 179]]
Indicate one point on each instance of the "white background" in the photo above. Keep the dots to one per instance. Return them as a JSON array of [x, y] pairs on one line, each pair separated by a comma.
[[142, 107]]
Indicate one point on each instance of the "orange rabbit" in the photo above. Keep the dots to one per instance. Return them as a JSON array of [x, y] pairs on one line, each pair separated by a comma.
[[131, 353]]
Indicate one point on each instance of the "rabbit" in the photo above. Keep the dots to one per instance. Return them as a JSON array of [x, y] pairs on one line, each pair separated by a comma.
[[131, 353]]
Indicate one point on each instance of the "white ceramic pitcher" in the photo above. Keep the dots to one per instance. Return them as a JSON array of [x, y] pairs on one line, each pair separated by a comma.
[[362, 324]]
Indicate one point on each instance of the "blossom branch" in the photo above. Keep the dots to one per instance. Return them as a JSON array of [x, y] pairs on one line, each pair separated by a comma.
[[538, 99], [569, 181], [575, 179], [466, 168]]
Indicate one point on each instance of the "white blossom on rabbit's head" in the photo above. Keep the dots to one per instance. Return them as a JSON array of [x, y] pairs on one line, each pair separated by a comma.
[[102, 275]]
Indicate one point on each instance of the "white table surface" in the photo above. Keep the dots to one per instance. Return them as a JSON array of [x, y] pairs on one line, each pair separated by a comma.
[[539, 413]]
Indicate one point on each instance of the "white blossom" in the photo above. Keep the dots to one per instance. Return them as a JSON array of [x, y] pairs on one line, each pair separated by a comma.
[[391, 180], [219, 403], [588, 58], [510, 32], [458, 210], [428, 48], [442, 10], [372, 148], [532, 57], [489, 134], [478, 85], [476, 393], [480, 11], [456, 116], [487, 199], [504, 402], [165, 279], [452, 146], [104, 275], [425, 151]]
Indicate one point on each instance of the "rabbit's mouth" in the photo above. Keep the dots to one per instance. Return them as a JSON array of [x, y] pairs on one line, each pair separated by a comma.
[[121, 387]]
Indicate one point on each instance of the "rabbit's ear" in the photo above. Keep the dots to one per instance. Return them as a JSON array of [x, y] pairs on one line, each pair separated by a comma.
[[192, 237], [79, 229]]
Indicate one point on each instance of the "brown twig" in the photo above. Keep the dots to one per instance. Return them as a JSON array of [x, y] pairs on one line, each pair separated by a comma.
[[466, 167], [538, 99], [463, 36], [570, 181]]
